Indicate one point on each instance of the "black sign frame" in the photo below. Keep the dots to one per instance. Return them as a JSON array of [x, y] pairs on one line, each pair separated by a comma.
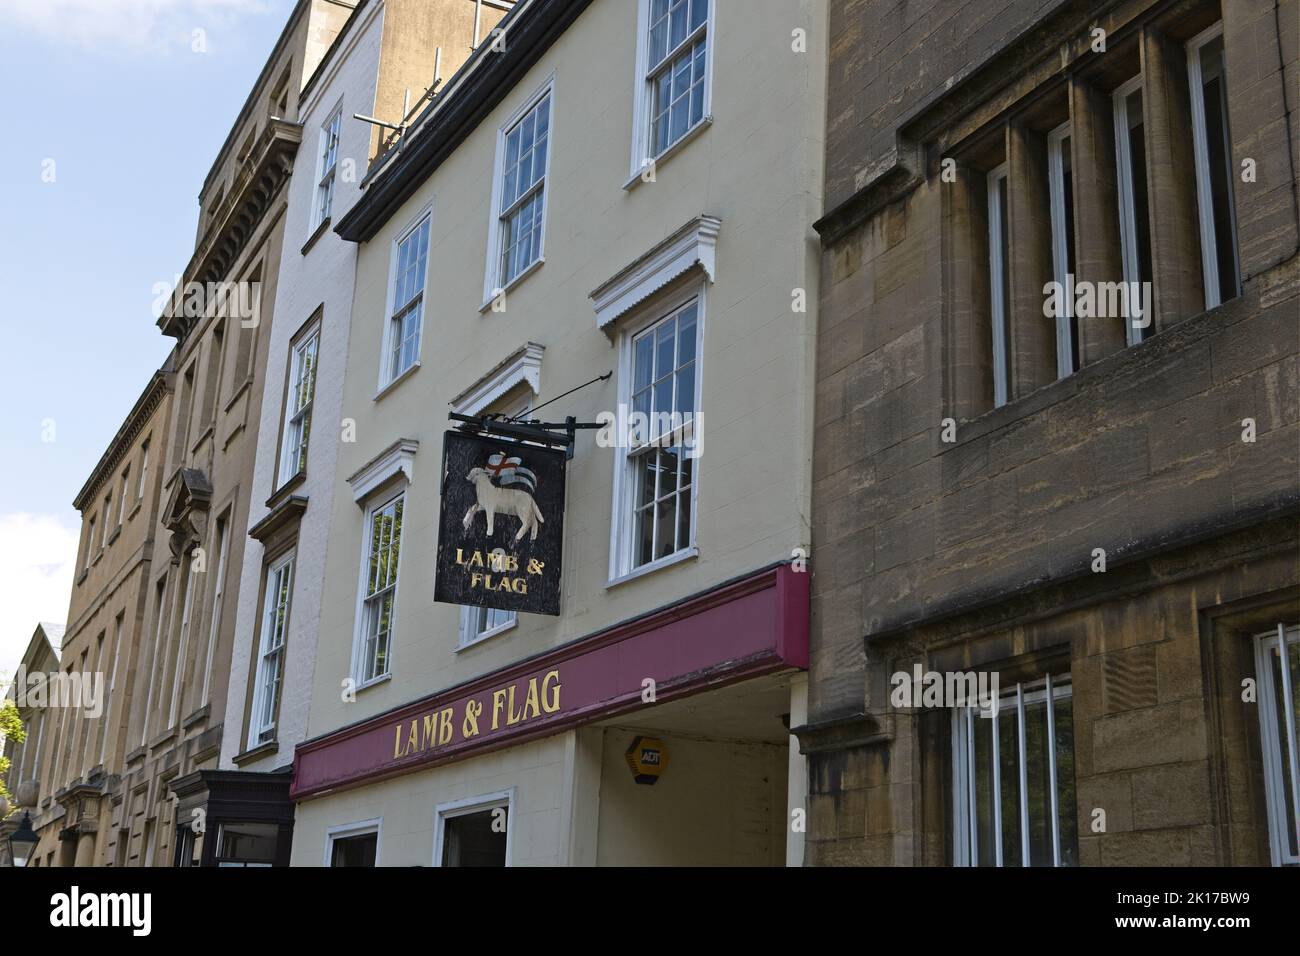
[[519, 567]]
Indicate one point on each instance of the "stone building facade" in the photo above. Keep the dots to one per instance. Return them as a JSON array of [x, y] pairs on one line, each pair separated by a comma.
[[1099, 509], [383, 59], [543, 234], [81, 732], [219, 314], [26, 769]]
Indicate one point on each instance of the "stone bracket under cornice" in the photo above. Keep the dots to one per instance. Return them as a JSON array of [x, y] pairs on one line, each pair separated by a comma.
[[186, 514], [887, 180], [397, 458], [693, 245], [257, 183], [843, 732], [524, 364]]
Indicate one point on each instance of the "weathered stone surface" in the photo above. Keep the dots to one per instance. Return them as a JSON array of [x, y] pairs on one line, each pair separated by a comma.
[[981, 548]]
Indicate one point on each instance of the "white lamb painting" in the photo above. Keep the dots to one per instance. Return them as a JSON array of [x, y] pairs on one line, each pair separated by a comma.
[[504, 498]]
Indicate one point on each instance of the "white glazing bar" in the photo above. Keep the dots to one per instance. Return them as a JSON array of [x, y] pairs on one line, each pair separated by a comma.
[[1024, 777], [960, 842], [997, 792], [973, 812], [1051, 773], [1288, 704]]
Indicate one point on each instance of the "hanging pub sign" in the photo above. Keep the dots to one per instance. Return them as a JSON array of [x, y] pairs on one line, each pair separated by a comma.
[[501, 528]]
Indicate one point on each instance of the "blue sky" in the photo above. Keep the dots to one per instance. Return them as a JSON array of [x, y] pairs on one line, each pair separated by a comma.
[[131, 114]]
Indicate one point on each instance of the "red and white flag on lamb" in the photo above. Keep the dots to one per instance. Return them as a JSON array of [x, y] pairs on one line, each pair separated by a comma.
[[509, 470]]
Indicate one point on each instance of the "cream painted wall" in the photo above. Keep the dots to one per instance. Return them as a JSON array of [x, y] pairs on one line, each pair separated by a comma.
[[718, 803], [758, 169], [407, 805]]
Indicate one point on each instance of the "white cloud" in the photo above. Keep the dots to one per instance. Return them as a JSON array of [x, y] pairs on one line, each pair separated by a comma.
[[131, 26], [37, 555]]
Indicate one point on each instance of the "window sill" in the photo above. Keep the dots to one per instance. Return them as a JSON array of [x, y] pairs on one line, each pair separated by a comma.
[[117, 533], [238, 393], [135, 509], [374, 682], [668, 153], [166, 736], [1115, 364], [198, 716], [316, 234], [82, 576], [688, 554], [511, 285], [253, 753], [488, 635], [95, 560], [415, 367], [285, 489], [204, 435]]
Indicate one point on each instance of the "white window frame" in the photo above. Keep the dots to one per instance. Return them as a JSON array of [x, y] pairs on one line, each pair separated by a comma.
[[965, 813], [643, 98], [1127, 207], [1278, 777], [91, 548], [108, 519], [361, 828], [493, 285], [362, 625], [296, 429], [258, 727], [470, 617], [387, 375], [1204, 188], [327, 153], [622, 566], [999, 299], [123, 495], [1066, 360], [144, 468], [460, 808]]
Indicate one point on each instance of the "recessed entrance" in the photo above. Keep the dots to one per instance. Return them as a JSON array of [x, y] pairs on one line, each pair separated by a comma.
[[721, 796]]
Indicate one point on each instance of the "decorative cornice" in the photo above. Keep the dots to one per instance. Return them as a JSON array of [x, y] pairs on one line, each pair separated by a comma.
[[255, 187], [160, 384], [524, 364], [285, 513], [694, 244], [399, 457]]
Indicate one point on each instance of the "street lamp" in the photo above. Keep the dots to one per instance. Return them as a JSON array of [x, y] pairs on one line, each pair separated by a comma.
[[23, 841]]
